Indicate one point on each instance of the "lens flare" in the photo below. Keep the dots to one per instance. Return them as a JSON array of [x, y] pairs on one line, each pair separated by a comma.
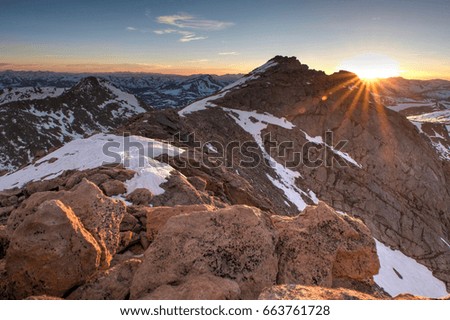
[[371, 66]]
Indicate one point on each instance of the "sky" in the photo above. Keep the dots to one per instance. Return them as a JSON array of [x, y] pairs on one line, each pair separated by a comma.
[[197, 36]]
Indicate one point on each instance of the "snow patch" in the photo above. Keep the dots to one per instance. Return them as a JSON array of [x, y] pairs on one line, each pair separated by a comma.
[[211, 148], [408, 105], [443, 240], [344, 155], [433, 117], [201, 104], [401, 274], [89, 153]]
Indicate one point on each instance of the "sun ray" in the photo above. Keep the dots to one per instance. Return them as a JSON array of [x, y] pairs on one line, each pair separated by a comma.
[[371, 66]]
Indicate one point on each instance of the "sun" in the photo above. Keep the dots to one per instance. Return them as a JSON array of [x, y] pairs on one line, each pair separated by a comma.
[[371, 66]]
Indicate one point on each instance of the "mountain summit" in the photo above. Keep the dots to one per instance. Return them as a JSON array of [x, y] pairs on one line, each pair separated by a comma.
[[387, 173]]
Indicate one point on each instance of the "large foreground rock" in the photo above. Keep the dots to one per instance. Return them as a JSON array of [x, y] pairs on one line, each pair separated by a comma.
[[236, 243], [320, 246], [99, 214], [50, 252]]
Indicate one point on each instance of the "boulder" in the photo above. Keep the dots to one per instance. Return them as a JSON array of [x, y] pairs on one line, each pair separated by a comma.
[[201, 287], [140, 196], [158, 216], [237, 243], [111, 284], [99, 214], [113, 187], [178, 191], [50, 252], [321, 245]]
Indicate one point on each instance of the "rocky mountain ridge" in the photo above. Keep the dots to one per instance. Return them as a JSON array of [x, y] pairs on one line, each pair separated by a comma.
[[222, 200], [32, 127]]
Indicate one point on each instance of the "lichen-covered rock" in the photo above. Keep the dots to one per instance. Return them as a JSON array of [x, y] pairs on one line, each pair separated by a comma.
[[50, 252], [99, 214], [321, 245], [236, 243]]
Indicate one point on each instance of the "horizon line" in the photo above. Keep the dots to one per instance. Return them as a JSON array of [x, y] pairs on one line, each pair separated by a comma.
[[193, 74]]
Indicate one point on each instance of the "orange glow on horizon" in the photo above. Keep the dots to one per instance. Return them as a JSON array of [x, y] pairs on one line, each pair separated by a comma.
[[371, 66]]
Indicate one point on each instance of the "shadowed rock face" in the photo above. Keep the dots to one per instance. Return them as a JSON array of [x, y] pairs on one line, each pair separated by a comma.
[[400, 190]]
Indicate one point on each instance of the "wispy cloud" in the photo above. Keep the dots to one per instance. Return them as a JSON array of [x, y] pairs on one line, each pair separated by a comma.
[[188, 21], [187, 36], [133, 29], [184, 21], [231, 53]]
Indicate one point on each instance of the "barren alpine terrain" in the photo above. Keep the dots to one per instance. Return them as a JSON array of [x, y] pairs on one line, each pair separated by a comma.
[[284, 183]]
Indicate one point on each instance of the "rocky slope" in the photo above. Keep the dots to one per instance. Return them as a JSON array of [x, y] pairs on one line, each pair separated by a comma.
[[33, 126], [387, 174], [425, 103], [235, 206]]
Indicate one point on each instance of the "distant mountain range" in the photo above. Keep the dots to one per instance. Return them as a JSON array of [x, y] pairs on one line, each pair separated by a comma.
[[156, 90]]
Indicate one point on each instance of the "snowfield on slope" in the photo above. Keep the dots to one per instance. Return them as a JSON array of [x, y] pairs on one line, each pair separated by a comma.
[[400, 106], [96, 151], [207, 102], [254, 123], [29, 93], [401, 274]]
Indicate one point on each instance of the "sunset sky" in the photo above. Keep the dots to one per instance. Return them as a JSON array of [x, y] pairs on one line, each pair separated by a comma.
[[187, 36]]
